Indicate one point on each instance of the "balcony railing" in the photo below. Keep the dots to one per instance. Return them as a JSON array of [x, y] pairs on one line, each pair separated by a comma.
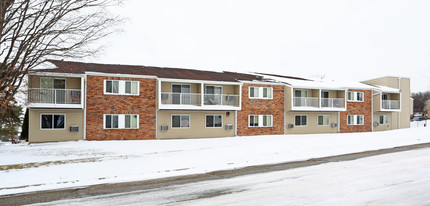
[[181, 98], [390, 104], [221, 99], [54, 96], [305, 101], [333, 102]]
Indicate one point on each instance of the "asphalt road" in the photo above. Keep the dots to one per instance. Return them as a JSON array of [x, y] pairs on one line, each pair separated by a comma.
[[216, 186]]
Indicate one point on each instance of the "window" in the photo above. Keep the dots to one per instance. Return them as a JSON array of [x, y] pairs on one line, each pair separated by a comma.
[[181, 121], [52, 83], [383, 119], [323, 120], [384, 96], [213, 95], [356, 96], [131, 87], [300, 120], [121, 87], [121, 121], [214, 121], [181, 94], [300, 93], [260, 120], [131, 121], [52, 121], [260, 92], [355, 119]]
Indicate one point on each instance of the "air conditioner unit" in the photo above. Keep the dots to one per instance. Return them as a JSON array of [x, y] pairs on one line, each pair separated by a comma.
[[228, 127], [164, 96], [333, 125], [74, 128], [289, 126], [375, 124], [164, 128]]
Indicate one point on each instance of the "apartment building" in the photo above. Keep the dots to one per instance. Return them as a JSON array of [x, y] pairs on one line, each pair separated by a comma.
[[74, 101]]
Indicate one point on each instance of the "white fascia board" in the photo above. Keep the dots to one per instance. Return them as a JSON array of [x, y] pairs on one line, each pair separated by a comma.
[[323, 88], [192, 107], [391, 110], [314, 109], [55, 106], [263, 83], [120, 75], [56, 74], [198, 81]]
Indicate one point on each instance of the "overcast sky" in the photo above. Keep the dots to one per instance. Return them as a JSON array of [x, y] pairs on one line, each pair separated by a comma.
[[356, 40]]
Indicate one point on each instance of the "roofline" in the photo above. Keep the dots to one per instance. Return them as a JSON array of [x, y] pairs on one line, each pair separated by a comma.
[[121, 75], [36, 73], [198, 81]]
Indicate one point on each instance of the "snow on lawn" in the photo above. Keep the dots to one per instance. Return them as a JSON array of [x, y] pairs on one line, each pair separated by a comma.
[[25, 168]]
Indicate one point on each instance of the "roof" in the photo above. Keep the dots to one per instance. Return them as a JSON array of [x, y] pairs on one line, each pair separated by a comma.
[[160, 72]]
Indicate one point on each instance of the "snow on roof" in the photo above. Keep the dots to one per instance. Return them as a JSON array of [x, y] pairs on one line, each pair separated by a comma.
[[317, 84], [386, 89]]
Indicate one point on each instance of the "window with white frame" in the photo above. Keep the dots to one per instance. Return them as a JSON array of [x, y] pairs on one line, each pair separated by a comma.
[[180, 121], [355, 96], [260, 92], [260, 121], [323, 120], [52, 121], [383, 119], [355, 119], [300, 120], [214, 121], [122, 87], [121, 121]]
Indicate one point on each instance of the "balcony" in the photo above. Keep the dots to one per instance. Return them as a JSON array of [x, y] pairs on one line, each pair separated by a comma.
[[170, 100], [391, 104], [333, 102], [305, 102], [222, 99], [58, 98], [180, 98], [318, 104]]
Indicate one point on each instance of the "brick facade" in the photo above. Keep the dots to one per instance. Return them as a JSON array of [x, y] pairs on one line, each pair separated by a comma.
[[358, 108], [98, 104], [273, 107]]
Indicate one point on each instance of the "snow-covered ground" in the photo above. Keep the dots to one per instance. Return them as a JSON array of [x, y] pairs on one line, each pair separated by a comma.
[[392, 179], [25, 168]]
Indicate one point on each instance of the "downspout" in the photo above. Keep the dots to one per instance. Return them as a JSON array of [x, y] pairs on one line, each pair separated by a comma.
[[371, 98], [235, 123], [85, 106], [400, 105], [338, 122]]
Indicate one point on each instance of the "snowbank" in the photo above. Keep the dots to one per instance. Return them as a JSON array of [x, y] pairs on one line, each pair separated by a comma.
[[25, 168]]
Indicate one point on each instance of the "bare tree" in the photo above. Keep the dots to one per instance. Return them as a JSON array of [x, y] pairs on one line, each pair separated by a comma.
[[33, 30], [419, 100]]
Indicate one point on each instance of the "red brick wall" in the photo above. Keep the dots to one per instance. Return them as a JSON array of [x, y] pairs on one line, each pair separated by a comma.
[[358, 108], [273, 106], [99, 104]]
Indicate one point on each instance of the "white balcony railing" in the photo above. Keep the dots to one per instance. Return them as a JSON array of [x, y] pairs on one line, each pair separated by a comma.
[[390, 104], [333, 102], [221, 99], [305, 101], [54, 96], [181, 98]]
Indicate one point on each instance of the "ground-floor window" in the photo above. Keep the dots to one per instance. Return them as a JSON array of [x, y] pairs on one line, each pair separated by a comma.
[[121, 121], [260, 121], [180, 121], [300, 120], [52, 121], [214, 121], [355, 119], [383, 119], [323, 120]]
